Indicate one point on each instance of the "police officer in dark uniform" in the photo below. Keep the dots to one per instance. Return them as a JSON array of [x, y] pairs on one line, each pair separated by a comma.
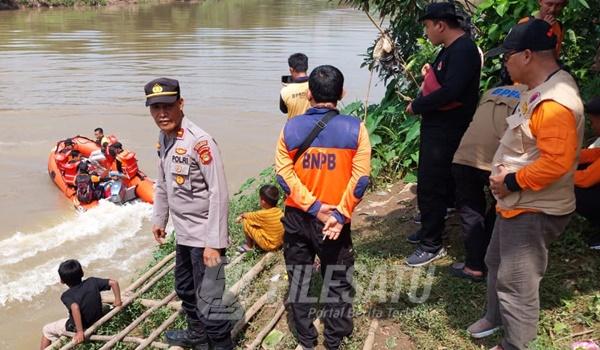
[[191, 189]]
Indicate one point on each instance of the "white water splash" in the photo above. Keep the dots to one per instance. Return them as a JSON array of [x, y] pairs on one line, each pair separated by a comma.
[[106, 229], [105, 217]]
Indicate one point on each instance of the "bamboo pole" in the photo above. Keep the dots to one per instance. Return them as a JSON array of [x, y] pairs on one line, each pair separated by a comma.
[[263, 333], [150, 272], [371, 336], [249, 314], [251, 274], [158, 331], [135, 340], [236, 260], [127, 301], [137, 321], [175, 305]]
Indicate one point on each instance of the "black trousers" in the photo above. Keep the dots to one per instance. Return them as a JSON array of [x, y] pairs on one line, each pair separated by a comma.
[[588, 203], [303, 240], [201, 289], [436, 150], [476, 216]]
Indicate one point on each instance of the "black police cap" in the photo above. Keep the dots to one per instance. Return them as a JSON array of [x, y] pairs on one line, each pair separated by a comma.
[[440, 10], [162, 90], [534, 35]]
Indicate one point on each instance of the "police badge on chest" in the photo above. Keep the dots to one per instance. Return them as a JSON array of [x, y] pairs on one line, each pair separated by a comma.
[[180, 168]]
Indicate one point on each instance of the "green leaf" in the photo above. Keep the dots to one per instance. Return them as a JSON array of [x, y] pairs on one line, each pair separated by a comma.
[[375, 140], [413, 132], [501, 8], [271, 340], [410, 177], [584, 3]]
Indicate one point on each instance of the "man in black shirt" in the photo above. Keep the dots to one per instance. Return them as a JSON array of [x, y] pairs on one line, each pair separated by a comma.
[[447, 101]]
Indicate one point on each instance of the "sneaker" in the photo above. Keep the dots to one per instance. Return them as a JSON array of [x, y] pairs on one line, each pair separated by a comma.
[[415, 238], [421, 257], [594, 243], [449, 212], [482, 328]]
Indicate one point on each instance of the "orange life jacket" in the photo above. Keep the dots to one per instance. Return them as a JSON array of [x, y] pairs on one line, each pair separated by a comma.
[[129, 164]]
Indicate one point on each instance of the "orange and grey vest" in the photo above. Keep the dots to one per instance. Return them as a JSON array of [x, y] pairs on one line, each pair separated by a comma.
[[518, 147]]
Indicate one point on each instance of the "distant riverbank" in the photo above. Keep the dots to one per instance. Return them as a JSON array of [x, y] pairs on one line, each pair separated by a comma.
[[23, 4]]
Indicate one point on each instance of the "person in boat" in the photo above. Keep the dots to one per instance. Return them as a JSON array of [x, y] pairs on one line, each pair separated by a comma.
[[100, 138], [84, 184], [74, 157], [114, 150], [191, 188], [68, 146]]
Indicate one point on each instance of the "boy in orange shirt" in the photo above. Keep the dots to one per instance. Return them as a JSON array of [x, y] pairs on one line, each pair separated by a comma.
[[263, 227]]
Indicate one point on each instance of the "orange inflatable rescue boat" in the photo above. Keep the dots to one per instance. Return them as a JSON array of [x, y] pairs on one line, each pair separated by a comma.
[[85, 173]]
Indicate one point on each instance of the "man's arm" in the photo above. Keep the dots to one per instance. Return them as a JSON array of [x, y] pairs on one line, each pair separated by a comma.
[[361, 169], [114, 285], [553, 126], [76, 313], [209, 159], [160, 208], [461, 66], [282, 106]]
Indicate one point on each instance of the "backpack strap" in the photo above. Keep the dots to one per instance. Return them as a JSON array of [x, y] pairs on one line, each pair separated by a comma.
[[319, 126]]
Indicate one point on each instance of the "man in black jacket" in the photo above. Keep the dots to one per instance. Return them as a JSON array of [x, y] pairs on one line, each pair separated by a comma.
[[447, 101]]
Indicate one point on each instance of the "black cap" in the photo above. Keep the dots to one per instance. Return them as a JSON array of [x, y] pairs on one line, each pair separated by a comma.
[[440, 10], [593, 106], [162, 90], [534, 35]]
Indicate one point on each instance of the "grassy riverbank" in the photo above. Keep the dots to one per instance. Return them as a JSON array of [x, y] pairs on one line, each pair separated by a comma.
[[422, 308]]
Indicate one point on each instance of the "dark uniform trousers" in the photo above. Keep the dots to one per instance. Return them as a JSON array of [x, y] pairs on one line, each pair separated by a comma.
[[476, 217], [588, 203], [436, 149], [201, 289], [302, 241]]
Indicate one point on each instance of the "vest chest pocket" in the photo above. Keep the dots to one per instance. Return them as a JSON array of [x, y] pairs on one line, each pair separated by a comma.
[[513, 136]]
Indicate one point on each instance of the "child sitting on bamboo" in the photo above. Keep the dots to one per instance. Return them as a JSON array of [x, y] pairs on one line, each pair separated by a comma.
[[263, 227], [83, 301]]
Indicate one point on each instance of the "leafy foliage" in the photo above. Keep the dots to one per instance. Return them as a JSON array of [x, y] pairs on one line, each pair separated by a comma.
[[394, 134]]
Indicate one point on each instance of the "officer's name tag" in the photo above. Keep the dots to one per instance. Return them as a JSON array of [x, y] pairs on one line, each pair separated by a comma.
[[180, 169]]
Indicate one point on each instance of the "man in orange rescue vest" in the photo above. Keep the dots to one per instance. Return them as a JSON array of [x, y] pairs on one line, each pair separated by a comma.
[[323, 185], [532, 179]]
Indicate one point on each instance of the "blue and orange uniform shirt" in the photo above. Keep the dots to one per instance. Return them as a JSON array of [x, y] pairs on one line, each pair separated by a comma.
[[335, 168]]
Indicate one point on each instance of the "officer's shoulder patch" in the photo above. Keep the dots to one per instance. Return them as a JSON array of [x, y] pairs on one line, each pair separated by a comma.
[[203, 149]]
